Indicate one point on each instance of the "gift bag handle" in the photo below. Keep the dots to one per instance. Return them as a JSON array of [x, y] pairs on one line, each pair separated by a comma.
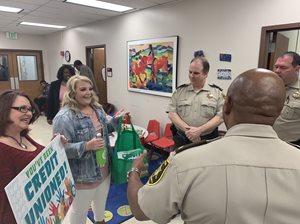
[[120, 129]]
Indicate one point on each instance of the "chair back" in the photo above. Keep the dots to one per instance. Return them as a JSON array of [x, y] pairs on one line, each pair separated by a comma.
[[168, 132], [154, 127]]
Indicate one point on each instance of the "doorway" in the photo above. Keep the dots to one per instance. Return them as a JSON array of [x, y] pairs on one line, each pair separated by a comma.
[[95, 58], [275, 40], [21, 70]]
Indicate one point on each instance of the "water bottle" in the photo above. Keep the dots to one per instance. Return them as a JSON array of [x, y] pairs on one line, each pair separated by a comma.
[[101, 153]]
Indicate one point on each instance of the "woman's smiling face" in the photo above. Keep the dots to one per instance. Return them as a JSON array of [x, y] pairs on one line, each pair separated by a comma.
[[20, 120], [66, 75], [83, 93]]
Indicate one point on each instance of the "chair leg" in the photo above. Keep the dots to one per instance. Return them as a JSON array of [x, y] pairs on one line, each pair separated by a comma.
[[150, 150], [150, 154]]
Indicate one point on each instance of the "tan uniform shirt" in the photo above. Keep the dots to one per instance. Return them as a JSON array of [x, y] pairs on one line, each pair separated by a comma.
[[250, 176], [287, 124], [197, 108]]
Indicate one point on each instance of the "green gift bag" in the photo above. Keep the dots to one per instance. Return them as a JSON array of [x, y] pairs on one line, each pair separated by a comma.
[[127, 148]]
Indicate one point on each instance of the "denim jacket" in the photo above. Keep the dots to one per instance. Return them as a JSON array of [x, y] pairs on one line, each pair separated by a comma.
[[78, 129]]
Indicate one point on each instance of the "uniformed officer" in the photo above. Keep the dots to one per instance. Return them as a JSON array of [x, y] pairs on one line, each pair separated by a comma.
[[195, 109], [248, 176], [287, 124]]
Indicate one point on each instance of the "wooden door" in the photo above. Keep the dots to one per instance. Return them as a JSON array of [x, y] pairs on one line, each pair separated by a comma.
[[23, 71], [281, 46], [100, 74], [96, 61]]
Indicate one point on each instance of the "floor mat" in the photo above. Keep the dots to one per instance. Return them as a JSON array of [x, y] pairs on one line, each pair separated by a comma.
[[117, 208]]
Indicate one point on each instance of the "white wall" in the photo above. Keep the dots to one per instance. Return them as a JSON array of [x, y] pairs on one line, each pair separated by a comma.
[[231, 26]]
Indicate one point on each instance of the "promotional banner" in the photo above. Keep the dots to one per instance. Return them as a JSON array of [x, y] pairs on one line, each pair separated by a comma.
[[43, 192]]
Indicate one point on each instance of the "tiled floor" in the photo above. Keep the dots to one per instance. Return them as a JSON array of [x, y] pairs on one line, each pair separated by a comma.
[[42, 133]]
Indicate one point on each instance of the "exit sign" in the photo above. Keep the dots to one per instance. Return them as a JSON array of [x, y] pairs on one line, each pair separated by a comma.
[[12, 35]]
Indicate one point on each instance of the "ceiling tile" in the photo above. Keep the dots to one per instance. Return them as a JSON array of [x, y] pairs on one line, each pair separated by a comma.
[[58, 12]]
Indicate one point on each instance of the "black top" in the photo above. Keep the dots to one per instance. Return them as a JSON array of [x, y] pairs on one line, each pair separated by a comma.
[[53, 99]]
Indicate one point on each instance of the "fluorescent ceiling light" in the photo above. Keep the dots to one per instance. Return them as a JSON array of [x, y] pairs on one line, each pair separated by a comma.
[[10, 9], [101, 5], [43, 25]]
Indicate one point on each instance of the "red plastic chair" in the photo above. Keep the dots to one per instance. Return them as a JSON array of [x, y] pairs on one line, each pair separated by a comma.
[[166, 142], [153, 129]]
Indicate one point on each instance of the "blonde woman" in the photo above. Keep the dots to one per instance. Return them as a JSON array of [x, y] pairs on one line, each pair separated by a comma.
[[80, 119]]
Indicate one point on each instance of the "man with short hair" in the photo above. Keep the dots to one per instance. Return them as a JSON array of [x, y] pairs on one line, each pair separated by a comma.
[[287, 124], [195, 109], [249, 176], [86, 71]]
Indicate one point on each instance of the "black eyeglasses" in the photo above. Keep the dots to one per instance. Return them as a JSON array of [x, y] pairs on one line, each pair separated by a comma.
[[24, 109]]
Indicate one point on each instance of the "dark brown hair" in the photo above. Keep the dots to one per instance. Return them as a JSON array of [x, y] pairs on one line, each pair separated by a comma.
[[60, 72], [7, 99], [294, 55]]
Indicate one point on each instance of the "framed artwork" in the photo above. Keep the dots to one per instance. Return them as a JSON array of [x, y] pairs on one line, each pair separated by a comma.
[[152, 66]]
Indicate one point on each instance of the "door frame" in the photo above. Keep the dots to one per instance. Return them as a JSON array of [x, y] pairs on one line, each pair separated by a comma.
[[264, 40], [90, 63]]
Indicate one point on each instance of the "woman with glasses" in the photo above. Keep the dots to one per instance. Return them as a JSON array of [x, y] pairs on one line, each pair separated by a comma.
[[17, 149]]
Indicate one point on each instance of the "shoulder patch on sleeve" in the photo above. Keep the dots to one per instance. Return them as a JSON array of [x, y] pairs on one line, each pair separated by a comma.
[[159, 173], [215, 86]]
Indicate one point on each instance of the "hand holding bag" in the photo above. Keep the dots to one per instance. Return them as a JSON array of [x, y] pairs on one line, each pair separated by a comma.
[[127, 148]]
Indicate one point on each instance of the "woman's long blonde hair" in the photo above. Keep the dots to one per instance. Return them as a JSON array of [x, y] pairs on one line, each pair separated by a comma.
[[69, 97]]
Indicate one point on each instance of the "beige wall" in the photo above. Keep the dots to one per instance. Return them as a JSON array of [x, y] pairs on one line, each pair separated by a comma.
[[231, 26]]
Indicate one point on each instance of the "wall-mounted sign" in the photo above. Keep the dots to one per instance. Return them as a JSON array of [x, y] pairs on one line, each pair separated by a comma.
[[11, 35], [224, 74], [199, 53], [225, 57]]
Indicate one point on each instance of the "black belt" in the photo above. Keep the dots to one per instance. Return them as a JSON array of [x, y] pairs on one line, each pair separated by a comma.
[[296, 142], [180, 138]]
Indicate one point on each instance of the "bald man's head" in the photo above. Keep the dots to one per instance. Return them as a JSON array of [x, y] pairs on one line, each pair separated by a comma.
[[255, 96]]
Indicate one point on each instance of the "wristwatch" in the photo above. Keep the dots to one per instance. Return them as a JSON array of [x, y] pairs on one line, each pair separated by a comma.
[[133, 169]]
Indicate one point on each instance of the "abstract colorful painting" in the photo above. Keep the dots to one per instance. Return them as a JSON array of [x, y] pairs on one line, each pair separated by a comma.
[[152, 66]]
